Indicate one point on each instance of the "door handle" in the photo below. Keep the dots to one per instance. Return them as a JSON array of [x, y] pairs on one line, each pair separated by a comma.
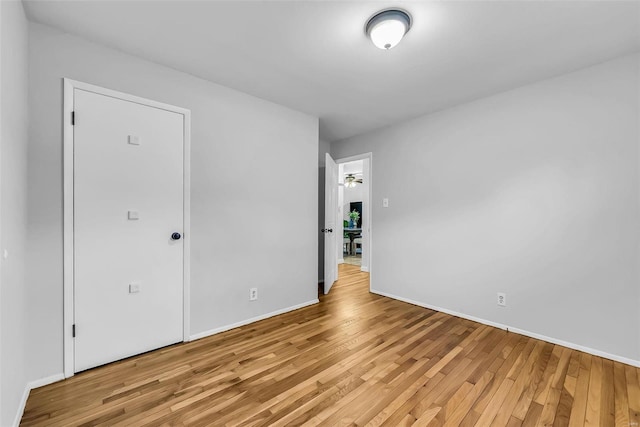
[[175, 236]]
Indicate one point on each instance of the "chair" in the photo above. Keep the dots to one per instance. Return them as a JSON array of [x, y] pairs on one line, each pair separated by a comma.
[[346, 243], [357, 242]]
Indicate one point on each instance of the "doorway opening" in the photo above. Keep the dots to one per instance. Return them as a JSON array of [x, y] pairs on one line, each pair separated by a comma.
[[351, 188], [347, 221], [354, 210]]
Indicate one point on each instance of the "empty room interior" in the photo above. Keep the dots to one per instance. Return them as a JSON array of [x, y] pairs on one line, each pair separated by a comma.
[[277, 213]]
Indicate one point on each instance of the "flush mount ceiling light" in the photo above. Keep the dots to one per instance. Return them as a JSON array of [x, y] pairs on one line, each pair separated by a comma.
[[386, 28]]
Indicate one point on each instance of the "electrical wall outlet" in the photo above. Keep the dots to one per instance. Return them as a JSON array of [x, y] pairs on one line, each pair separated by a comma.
[[502, 299], [253, 294]]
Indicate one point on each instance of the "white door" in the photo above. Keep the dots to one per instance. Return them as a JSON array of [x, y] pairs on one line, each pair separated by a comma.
[[330, 216], [128, 201]]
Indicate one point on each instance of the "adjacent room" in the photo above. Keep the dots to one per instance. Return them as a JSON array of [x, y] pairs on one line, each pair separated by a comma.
[[275, 213], [351, 193]]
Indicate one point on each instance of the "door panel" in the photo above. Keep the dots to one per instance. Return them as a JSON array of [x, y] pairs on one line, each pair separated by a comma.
[[330, 217], [128, 163]]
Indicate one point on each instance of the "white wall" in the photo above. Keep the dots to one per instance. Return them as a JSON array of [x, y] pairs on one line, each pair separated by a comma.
[[244, 152], [533, 192], [13, 204]]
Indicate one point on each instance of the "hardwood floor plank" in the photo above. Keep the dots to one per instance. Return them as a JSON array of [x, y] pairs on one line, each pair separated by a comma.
[[495, 403], [633, 393], [455, 416], [544, 385], [533, 415], [537, 371], [592, 416], [408, 406], [514, 422], [607, 403], [621, 396], [503, 368], [527, 375], [555, 392], [579, 408], [355, 358]]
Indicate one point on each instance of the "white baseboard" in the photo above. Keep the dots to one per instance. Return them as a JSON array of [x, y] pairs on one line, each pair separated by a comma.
[[46, 381], [23, 403], [251, 320], [551, 340], [364, 268], [340, 260], [27, 389]]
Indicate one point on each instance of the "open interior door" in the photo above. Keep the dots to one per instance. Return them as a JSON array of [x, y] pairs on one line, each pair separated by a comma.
[[330, 217]]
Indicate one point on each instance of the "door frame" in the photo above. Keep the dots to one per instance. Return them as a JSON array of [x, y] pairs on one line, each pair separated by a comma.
[[365, 156], [68, 205]]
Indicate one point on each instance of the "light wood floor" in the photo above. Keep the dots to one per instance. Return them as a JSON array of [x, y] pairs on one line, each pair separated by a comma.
[[353, 259], [354, 359]]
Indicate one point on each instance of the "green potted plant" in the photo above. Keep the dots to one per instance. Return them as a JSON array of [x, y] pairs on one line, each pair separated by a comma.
[[354, 216]]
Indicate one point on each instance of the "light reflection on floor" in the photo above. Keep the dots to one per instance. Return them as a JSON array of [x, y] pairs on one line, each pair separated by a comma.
[[353, 259]]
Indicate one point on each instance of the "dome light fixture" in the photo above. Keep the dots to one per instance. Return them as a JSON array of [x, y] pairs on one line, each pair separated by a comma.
[[387, 27]]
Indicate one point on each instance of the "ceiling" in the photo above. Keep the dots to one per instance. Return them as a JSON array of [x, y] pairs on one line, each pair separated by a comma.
[[355, 167], [313, 56]]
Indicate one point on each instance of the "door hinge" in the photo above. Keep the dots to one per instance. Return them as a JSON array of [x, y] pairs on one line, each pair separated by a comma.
[[73, 331], [73, 118]]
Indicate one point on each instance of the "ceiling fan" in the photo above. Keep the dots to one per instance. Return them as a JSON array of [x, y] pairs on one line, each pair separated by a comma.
[[350, 180]]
